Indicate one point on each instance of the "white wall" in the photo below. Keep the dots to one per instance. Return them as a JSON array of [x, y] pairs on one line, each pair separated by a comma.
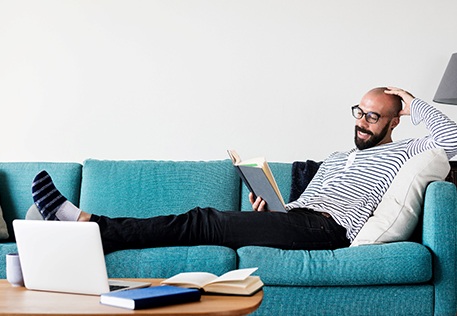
[[187, 79]]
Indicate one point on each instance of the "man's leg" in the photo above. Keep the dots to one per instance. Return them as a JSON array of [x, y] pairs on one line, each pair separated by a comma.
[[51, 204], [299, 229]]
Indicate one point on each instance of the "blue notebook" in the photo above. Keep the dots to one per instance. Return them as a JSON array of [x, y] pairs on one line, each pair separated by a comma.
[[153, 296]]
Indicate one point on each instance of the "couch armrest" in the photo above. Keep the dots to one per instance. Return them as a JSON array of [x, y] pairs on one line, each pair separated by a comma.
[[440, 235]]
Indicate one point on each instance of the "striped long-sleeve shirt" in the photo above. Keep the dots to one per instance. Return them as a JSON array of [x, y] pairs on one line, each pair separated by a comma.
[[350, 185]]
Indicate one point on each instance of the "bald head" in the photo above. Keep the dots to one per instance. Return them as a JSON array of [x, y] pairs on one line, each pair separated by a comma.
[[387, 108], [391, 104]]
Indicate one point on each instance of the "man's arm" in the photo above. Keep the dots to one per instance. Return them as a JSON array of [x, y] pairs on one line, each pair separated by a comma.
[[406, 97], [443, 131]]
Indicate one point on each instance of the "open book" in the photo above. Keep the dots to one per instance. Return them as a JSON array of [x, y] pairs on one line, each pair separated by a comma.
[[236, 282], [258, 178]]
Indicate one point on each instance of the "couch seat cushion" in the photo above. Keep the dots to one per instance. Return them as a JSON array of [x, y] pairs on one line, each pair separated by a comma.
[[395, 263], [168, 261]]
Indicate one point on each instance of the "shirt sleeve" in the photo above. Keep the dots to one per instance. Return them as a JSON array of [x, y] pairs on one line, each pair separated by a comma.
[[442, 130]]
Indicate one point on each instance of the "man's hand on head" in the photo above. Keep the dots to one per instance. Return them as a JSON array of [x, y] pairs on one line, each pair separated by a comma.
[[258, 205], [405, 96]]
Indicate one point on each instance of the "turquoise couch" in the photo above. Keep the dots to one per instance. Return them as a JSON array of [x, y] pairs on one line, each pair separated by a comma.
[[416, 277]]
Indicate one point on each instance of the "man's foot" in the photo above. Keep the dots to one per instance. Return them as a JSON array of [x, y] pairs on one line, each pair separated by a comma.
[[50, 202], [33, 214]]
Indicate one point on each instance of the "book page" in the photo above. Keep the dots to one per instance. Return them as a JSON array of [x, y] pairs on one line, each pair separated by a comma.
[[246, 287], [191, 278], [234, 156], [235, 275], [269, 174], [253, 162]]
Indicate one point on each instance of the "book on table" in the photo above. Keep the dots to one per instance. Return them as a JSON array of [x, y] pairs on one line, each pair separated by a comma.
[[148, 297], [258, 178], [235, 282]]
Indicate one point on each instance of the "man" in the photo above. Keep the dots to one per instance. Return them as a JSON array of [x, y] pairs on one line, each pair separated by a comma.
[[330, 212]]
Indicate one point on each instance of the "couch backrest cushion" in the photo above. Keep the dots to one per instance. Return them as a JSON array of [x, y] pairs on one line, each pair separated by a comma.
[[397, 215], [282, 173], [16, 181], [144, 188]]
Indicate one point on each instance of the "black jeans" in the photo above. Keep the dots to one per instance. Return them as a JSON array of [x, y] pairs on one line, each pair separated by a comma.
[[298, 229]]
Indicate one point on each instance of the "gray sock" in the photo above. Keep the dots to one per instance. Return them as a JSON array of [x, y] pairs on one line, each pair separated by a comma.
[[68, 212], [33, 213]]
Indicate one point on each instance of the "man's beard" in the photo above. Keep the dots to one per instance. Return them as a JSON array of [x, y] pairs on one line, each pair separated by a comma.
[[373, 140]]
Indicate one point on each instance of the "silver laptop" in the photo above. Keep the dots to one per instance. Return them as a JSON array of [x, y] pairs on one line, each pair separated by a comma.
[[64, 257]]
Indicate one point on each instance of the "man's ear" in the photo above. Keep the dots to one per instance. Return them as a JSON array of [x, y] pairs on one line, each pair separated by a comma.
[[394, 123]]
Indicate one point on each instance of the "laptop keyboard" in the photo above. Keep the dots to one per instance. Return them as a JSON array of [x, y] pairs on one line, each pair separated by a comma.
[[117, 287]]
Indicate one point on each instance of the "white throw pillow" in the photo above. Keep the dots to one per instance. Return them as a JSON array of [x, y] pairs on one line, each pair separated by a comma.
[[3, 228], [397, 215]]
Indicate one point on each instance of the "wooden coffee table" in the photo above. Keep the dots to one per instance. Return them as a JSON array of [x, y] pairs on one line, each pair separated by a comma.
[[20, 301]]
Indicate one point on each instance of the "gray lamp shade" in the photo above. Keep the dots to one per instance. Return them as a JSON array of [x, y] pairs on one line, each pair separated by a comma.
[[447, 90]]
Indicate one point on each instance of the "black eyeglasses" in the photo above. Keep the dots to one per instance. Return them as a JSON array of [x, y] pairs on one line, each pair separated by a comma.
[[370, 117]]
